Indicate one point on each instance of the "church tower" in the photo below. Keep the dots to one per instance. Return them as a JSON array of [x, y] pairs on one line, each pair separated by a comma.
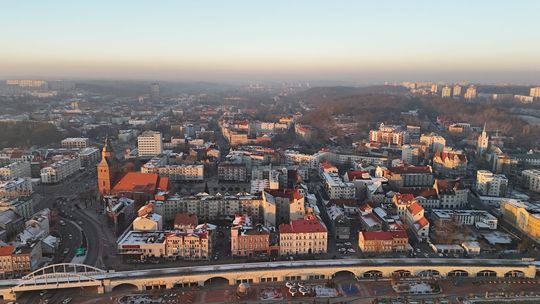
[[483, 142], [107, 170]]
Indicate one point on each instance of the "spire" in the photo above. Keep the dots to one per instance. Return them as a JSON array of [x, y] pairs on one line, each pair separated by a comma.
[[483, 131]]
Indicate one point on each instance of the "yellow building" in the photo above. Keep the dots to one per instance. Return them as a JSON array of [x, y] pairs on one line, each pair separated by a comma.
[[524, 216], [303, 236]]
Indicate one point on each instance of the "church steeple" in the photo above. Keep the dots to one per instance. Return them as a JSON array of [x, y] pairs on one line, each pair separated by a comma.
[[107, 149], [482, 143], [108, 169]]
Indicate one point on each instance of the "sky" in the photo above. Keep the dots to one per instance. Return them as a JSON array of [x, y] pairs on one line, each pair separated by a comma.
[[205, 40]]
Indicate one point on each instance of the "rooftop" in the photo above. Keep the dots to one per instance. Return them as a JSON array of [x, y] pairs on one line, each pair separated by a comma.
[[310, 225]]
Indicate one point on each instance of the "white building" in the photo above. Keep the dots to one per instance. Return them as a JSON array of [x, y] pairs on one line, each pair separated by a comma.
[[89, 156], [15, 170], [435, 142], [182, 172], [75, 142], [150, 144], [304, 160], [336, 188], [409, 154], [481, 219], [491, 184], [531, 179], [60, 170], [482, 143], [148, 222]]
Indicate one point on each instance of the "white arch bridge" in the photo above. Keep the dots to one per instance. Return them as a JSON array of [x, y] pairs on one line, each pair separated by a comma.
[[67, 275]]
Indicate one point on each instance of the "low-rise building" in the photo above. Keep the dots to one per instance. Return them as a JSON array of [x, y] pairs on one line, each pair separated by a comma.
[[409, 176], [417, 222], [75, 142], [481, 219], [383, 241], [249, 240], [303, 237]]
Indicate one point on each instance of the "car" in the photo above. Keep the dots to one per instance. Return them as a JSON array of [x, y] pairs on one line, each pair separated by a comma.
[[79, 222]]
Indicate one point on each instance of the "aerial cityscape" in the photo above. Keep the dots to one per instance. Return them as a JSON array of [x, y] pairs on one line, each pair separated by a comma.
[[269, 152]]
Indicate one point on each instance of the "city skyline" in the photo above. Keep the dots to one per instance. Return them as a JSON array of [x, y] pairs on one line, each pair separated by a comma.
[[238, 41]]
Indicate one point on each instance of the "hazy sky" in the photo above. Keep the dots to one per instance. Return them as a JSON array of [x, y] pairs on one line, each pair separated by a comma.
[[471, 40]]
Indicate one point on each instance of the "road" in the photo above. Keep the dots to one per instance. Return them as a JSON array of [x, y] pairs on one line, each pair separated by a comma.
[[83, 225]]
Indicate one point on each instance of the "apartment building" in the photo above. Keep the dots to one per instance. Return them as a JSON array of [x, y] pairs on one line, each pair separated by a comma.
[[15, 170], [248, 240], [531, 179], [149, 144], [61, 169], [75, 142], [491, 184], [304, 236], [232, 172]]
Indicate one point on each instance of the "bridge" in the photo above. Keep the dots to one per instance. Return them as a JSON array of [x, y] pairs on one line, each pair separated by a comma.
[[66, 275]]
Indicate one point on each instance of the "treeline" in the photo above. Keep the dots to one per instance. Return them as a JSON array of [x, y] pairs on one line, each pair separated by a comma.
[[27, 134], [366, 109]]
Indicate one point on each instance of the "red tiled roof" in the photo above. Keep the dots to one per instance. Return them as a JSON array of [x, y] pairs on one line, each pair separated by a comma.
[[404, 198], [383, 235], [302, 226], [327, 165], [448, 185], [137, 182], [444, 155], [423, 222], [186, 220], [287, 193], [415, 208], [411, 169], [424, 192], [163, 183], [357, 174], [6, 250]]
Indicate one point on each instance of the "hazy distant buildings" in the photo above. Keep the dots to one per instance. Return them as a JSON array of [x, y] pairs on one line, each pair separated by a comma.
[[535, 92], [471, 94], [154, 92], [457, 90], [27, 83], [446, 92], [434, 88]]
